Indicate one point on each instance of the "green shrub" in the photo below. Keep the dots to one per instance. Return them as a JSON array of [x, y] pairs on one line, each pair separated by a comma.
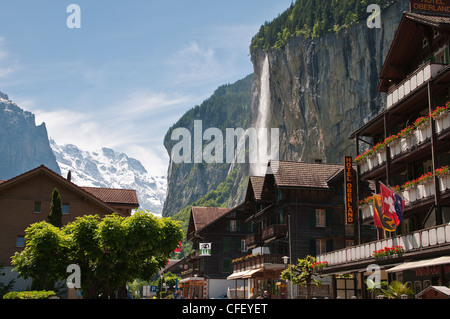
[[29, 295]]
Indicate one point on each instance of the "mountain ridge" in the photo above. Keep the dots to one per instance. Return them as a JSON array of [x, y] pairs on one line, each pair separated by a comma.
[[107, 168]]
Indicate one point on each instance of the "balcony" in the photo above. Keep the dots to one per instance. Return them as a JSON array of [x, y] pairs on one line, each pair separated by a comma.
[[414, 192], [418, 241], [426, 72], [415, 137], [254, 240], [273, 232], [251, 262]]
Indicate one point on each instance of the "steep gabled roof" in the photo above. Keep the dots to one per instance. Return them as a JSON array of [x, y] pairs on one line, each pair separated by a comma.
[[305, 175], [114, 195], [44, 170], [254, 188], [203, 216]]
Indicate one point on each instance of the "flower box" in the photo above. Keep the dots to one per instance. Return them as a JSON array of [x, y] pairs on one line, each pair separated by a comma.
[[444, 182], [366, 211], [428, 188], [388, 252], [410, 194], [442, 121], [395, 148], [381, 156], [408, 141], [372, 161], [364, 166], [423, 132]]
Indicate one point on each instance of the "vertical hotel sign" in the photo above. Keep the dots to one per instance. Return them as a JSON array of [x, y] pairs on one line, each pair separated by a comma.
[[436, 7], [349, 190]]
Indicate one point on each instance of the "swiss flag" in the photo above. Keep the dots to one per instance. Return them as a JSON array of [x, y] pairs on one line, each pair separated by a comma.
[[388, 203]]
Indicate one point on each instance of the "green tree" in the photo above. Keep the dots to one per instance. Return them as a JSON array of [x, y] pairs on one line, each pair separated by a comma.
[[110, 251], [302, 274], [42, 256], [55, 216]]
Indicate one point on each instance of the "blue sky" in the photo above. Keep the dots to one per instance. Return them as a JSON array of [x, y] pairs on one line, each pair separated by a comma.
[[131, 70]]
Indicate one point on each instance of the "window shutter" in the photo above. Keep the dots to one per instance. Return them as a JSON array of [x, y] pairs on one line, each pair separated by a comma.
[[228, 225], [329, 213], [312, 247], [312, 217], [226, 245], [329, 245], [238, 225]]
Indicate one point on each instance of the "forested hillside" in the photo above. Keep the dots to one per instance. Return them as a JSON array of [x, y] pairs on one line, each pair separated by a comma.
[[228, 107], [311, 18]]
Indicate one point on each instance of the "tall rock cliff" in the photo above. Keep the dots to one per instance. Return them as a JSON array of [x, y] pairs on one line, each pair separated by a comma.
[[23, 145], [228, 107], [322, 89]]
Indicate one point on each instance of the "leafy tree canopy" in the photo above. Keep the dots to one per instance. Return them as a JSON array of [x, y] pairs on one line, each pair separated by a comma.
[[110, 251], [310, 19]]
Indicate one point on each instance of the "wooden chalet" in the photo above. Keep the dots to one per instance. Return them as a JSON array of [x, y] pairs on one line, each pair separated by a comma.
[[217, 235], [299, 210], [407, 147]]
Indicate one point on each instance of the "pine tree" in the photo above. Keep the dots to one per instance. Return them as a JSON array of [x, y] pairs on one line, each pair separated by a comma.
[[55, 216]]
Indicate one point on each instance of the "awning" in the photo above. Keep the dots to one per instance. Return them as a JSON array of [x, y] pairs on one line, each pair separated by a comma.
[[191, 279], [236, 275], [421, 263], [243, 274], [251, 272]]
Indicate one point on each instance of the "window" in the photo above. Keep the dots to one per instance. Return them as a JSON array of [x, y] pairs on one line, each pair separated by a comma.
[[37, 207], [321, 246], [20, 241], [349, 242], [65, 208], [243, 246], [321, 218], [233, 225]]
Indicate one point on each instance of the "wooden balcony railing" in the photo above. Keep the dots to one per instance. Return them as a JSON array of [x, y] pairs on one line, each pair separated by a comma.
[[417, 241], [254, 240], [274, 231], [256, 261]]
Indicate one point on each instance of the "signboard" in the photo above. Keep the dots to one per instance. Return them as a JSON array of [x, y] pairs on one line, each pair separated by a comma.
[[204, 249], [436, 7], [350, 206], [148, 291]]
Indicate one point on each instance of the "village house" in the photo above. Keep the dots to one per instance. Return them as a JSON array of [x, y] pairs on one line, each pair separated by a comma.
[[26, 199], [407, 147], [217, 236], [298, 210]]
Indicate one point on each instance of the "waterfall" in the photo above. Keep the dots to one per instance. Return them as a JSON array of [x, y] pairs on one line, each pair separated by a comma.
[[261, 125]]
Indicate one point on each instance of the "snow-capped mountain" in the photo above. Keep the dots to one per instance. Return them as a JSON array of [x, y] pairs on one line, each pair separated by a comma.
[[111, 169]]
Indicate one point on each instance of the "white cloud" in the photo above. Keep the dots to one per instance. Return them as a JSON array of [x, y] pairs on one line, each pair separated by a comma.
[[7, 64], [194, 63], [135, 125]]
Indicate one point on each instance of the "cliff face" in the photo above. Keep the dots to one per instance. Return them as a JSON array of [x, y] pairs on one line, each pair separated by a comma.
[[23, 145], [228, 107], [322, 89]]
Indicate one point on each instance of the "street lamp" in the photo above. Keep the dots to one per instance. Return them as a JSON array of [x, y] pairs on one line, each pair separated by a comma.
[[285, 261]]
